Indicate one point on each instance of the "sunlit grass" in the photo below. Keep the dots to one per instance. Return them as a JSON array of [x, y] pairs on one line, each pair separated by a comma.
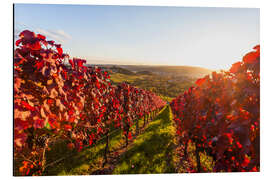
[[86, 161], [151, 152], [118, 78]]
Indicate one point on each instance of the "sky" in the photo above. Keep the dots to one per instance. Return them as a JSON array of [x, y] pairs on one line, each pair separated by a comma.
[[212, 38]]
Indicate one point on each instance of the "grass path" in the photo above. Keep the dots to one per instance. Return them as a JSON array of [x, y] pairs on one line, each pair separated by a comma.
[[149, 152], [152, 151]]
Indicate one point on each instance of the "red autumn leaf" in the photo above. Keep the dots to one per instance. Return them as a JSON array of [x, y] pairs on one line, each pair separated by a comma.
[[90, 141], [99, 130], [199, 82], [41, 37], [239, 145], [257, 48], [250, 57], [27, 35], [39, 65], [50, 42], [70, 112], [235, 67], [80, 63], [229, 136], [252, 127], [50, 101], [129, 136], [97, 84], [72, 119], [67, 127], [35, 46], [60, 51], [28, 106], [245, 162], [71, 63], [254, 169], [79, 146], [18, 42]]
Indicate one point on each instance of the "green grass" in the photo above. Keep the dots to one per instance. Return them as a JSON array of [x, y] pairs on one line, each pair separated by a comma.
[[151, 152], [207, 162], [118, 78], [84, 162]]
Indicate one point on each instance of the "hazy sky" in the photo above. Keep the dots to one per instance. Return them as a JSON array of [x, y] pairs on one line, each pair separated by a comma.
[[208, 37]]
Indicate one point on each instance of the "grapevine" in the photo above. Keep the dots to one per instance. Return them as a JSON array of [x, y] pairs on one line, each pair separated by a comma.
[[56, 101], [221, 116]]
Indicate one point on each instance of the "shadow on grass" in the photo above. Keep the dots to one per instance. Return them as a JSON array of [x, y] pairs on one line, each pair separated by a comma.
[[79, 163], [90, 159], [85, 162], [152, 150]]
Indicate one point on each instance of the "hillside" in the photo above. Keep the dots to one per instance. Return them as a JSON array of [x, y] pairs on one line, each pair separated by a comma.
[[166, 81], [190, 71], [176, 71]]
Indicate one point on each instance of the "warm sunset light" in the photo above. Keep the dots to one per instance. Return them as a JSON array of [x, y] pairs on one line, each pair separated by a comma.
[[135, 90]]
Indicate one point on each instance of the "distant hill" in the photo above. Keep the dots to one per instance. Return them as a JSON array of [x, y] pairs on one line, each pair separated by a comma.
[[113, 68], [175, 71], [166, 81], [190, 71], [121, 70], [144, 73]]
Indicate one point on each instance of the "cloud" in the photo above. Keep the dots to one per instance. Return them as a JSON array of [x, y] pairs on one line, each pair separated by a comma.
[[16, 33], [63, 34], [59, 36]]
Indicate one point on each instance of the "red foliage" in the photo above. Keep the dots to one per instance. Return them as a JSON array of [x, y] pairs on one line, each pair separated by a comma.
[[222, 116], [70, 146], [129, 135], [27, 106], [74, 103], [235, 67], [199, 82]]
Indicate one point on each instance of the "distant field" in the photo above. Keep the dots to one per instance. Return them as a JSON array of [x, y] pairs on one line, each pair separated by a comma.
[[166, 81], [118, 78], [176, 71], [181, 71]]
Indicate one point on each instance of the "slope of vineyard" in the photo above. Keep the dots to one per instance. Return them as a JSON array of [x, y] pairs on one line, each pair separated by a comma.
[[149, 152], [73, 119], [75, 104], [221, 117], [152, 151], [90, 159]]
